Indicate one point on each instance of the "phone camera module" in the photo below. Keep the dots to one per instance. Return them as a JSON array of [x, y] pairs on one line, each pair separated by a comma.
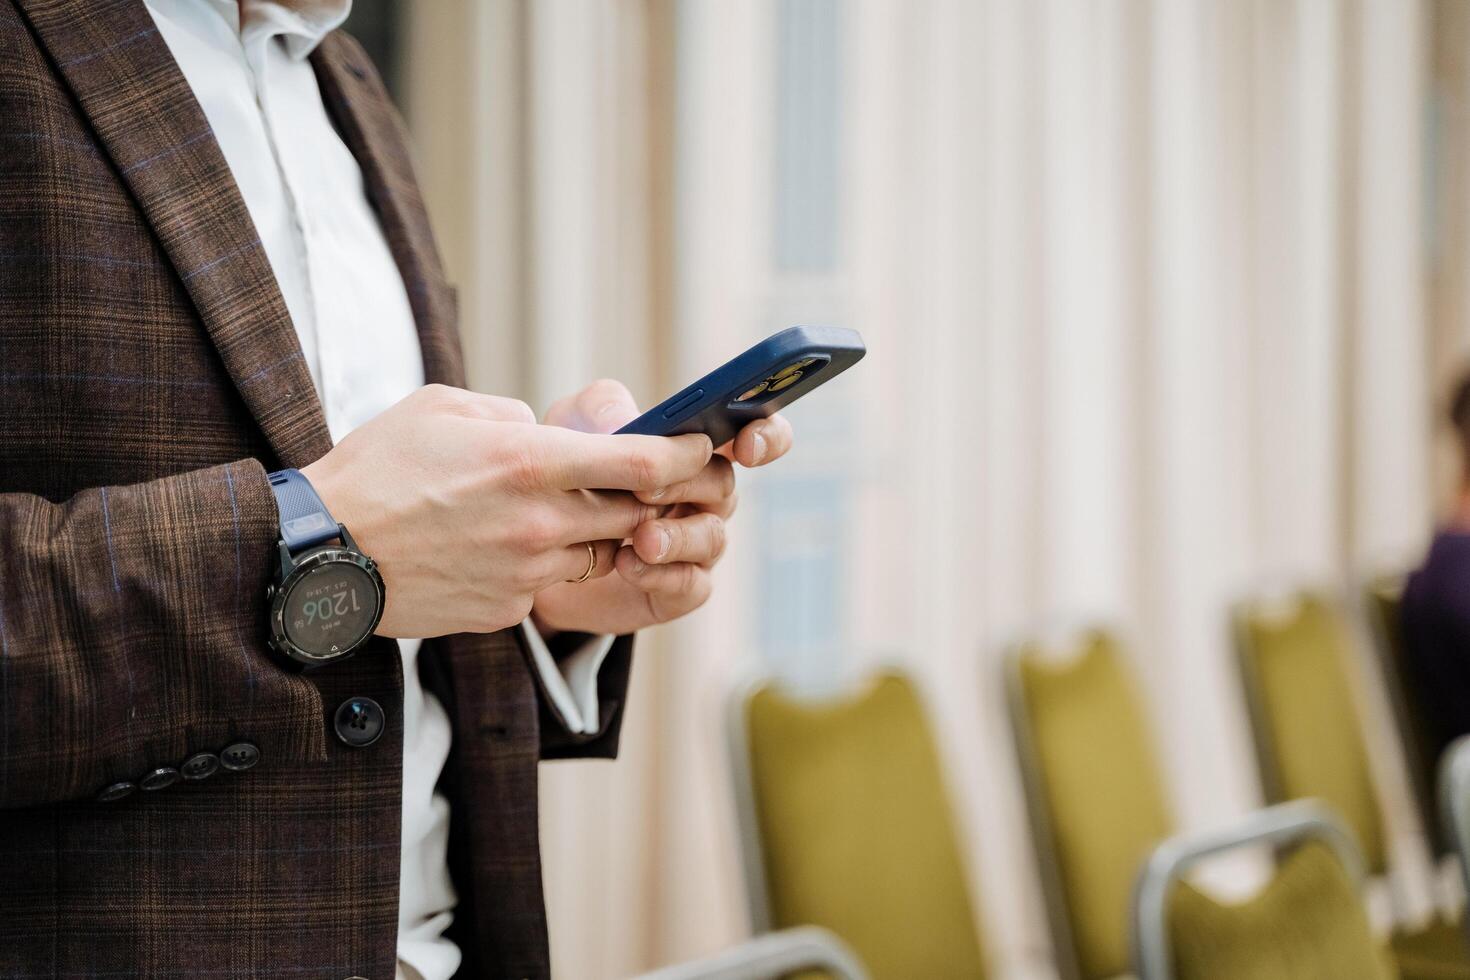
[[778, 381], [785, 381]]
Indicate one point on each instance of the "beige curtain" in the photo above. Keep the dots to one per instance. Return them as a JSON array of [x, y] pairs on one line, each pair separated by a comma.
[[1159, 298]]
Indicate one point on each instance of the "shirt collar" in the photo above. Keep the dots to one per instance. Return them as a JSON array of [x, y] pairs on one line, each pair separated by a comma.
[[301, 24]]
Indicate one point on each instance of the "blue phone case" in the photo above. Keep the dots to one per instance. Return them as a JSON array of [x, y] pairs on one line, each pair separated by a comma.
[[762, 381]]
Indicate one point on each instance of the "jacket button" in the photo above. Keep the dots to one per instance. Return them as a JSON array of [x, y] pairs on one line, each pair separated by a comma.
[[200, 765], [160, 778], [359, 722], [239, 756], [116, 792]]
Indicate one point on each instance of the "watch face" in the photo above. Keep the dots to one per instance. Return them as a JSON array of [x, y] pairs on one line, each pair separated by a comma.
[[331, 608]]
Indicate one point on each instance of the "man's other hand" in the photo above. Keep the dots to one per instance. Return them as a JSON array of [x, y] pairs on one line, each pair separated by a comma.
[[664, 564]]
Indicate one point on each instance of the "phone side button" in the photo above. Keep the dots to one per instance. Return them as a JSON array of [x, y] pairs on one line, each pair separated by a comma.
[[683, 403]]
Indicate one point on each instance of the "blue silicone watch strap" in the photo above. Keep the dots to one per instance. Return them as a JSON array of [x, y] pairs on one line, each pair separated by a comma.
[[304, 518]]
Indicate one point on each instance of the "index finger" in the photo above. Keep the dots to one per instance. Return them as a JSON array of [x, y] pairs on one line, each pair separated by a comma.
[[605, 406], [581, 461]]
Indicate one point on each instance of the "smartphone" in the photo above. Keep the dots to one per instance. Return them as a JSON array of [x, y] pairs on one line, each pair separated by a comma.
[[762, 381]]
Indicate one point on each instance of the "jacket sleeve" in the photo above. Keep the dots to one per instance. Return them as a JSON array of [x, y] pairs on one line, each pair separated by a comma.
[[557, 741], [132, 634]]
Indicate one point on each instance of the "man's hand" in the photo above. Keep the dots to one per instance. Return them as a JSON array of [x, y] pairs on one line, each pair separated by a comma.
[[470, 508], [664, 565]]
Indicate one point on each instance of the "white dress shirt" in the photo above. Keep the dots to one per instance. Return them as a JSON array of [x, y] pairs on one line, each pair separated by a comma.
[[247, 64]]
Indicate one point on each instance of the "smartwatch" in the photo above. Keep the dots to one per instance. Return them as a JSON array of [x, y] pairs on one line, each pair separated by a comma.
[[327, 597]]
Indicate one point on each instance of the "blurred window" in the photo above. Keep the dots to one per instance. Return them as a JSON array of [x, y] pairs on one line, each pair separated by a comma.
[[806, 503]]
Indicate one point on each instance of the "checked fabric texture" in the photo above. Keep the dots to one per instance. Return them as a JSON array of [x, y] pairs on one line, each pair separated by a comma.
[[149, 378]]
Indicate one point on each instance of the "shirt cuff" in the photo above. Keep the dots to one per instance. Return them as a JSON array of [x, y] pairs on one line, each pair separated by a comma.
[[571, 683]]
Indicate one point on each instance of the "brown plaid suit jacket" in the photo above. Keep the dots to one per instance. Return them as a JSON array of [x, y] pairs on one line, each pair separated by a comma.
[[149, 378]]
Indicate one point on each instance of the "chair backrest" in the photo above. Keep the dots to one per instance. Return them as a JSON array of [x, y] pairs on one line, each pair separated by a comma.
[[1381, 597], [1094, 793], [1295, 654], [1454, 804], [846, 825], [1308, 921]]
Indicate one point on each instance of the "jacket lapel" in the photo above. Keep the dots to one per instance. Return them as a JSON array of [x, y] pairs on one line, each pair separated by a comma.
[[369, 125], [147, 120]]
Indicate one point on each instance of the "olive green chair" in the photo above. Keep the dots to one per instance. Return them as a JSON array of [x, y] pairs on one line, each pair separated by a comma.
[[1095, 794], [1295, 655], [1308, 922], [845, 825], [1381, 595], [1295, 659]]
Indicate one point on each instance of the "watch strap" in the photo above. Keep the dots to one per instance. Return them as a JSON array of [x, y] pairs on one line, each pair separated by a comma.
[[304, 518]]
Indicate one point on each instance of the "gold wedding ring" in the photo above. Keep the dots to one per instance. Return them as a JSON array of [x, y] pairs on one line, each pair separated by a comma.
[[591, 565]]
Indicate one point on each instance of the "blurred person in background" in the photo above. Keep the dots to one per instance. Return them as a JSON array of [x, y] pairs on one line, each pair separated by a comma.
[[216, 264], [1435, 612]]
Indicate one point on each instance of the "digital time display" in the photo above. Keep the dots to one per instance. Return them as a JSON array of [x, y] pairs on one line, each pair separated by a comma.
[[331, 609]]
